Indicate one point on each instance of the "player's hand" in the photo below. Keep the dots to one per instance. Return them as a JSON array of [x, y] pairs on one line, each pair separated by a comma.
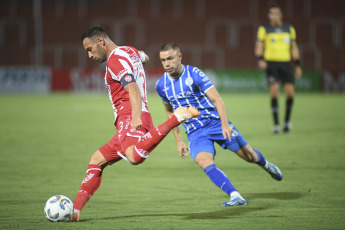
[[182, 149], [262, 64], [136, 123], [298, 72], [227, 132]]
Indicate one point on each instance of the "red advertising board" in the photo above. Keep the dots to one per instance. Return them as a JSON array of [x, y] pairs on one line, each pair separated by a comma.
[[91, 80]]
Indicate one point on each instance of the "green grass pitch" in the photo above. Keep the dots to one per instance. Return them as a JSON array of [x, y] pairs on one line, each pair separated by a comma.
[[46, 142]]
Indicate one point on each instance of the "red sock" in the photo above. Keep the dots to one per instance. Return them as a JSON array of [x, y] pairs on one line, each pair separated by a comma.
[[89, 186], [152, 138]]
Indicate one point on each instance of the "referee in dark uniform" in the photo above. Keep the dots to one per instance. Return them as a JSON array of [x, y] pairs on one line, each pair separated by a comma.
[[275, 48]]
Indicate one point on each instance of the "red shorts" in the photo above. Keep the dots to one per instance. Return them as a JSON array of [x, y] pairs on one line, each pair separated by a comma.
[[125, 137]]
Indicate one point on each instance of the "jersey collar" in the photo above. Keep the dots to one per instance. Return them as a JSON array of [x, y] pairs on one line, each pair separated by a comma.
[[178, 77]]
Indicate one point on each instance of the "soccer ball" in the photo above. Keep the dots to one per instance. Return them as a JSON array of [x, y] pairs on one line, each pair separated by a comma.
[[59, 208]]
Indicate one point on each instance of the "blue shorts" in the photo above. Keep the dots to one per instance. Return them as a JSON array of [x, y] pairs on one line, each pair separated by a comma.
[[202, 140]]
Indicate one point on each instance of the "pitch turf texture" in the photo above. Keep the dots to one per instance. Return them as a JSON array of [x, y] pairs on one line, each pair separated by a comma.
[[47, 140]]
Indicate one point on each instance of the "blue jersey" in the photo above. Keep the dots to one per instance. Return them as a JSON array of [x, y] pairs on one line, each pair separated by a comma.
[[189, 90]]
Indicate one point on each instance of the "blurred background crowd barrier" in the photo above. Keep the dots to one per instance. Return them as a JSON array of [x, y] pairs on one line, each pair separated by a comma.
[[42, 51]]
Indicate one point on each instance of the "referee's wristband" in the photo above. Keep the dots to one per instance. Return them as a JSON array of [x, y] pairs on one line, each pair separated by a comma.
[[298, 62], [260, 58]]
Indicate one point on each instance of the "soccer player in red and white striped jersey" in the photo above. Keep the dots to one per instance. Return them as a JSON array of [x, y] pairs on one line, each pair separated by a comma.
[[136, 137]]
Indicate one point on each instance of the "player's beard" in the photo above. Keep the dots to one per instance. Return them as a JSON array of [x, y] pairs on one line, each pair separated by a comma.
[[102, 55], [102, 59]]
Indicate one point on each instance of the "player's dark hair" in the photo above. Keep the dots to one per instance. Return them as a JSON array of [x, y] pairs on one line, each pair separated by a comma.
[[93, 32], [274, 5], [170, 45]]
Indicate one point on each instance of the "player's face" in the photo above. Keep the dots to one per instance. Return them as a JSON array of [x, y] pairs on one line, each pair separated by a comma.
[[275, 16], [171, 61], [95, 50]]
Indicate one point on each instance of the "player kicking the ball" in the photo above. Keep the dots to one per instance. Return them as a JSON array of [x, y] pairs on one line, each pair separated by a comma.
[[136, 137]]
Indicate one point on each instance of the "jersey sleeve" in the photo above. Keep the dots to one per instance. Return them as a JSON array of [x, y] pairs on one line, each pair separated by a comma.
[[201, 79], [160, 90], [293, 33], [142, 56], [119, 68], [261, 33]]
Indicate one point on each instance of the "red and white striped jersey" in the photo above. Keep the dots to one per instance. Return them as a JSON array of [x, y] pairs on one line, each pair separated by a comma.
[[122, 61]]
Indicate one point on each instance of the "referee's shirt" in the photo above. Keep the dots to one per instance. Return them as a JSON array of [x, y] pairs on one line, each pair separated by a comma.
[[277, 41]]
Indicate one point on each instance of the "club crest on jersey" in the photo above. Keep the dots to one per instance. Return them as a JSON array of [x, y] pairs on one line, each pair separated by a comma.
[[128, 78], [189, 81]]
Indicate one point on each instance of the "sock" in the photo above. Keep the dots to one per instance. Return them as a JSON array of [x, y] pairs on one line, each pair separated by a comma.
[[261, 161], [152, 138], [275, 110], [219, 178], [289, 103], [88, 187]]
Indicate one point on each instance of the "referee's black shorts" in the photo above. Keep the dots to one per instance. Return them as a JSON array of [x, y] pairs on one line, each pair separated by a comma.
[[280, 72]]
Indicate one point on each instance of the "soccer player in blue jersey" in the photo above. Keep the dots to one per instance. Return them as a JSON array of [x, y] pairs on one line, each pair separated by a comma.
[[184, 85]]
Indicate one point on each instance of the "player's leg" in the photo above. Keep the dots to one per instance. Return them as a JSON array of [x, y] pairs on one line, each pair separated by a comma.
[[274, 92], [290, 92], [99, 160], [202, 151], [240, 146], [255, 156], [138, 153], [219, 178]]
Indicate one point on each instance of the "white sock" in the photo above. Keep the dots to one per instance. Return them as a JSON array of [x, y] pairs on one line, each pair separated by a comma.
[[235, 193]]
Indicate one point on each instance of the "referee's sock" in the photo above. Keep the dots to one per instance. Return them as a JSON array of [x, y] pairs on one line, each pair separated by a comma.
[[275, 110], [289, 103], [219, 178]]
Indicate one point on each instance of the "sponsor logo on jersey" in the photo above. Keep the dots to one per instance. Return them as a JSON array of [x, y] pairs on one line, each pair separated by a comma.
[[180, 95], [205, 79]]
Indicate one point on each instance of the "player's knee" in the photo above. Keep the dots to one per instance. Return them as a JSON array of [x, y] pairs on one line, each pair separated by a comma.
[[203, 160], [251, 156], [136, 162], [98, 159], [134, 158]]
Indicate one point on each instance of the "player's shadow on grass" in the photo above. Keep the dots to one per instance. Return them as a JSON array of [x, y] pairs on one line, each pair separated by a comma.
[[275, 195], [225, 212]]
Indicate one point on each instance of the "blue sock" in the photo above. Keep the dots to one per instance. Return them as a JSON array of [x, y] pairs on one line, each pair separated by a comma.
[[261, 161], [219, 178]]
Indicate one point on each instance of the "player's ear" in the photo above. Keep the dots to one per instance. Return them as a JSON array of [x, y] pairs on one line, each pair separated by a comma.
[[180, 56], [101, 41]]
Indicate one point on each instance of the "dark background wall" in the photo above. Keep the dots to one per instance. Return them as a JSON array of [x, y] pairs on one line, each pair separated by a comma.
[[211, 33]]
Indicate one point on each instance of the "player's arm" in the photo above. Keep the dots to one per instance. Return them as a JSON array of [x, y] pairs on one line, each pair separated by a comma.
[[214, 96], [296, 58], [135, 100], [144, 57], [181, 146]]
